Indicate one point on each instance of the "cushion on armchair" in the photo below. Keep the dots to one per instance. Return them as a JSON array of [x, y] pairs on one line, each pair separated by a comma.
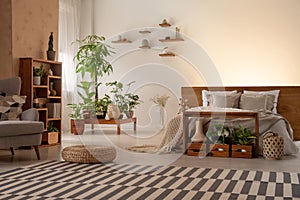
[[11, 107]]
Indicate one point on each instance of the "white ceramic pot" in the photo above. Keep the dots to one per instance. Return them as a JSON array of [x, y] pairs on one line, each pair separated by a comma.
[[36, 80]]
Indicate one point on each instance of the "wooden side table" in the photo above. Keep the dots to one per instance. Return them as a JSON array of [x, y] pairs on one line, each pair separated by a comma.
[[117, 122], [240, 114]]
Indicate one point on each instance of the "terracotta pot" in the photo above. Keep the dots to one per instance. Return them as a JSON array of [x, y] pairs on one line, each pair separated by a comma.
[[77, 126]]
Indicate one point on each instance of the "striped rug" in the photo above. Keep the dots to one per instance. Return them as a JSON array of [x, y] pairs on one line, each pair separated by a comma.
[[63, 180]]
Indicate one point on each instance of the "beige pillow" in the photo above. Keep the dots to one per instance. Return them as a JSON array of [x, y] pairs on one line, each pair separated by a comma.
[[270, 92], [257, 102], [206, 95], [225, 101]]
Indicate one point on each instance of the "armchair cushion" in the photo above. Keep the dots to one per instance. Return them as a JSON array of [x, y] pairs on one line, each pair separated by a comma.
[[30, 115], [11, 128]]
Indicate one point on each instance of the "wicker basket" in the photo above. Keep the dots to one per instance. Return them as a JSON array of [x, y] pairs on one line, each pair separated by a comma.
[[273, 146], [89, 154]]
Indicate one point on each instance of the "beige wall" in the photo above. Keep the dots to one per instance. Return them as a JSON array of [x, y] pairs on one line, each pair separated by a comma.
[[251, 42], [5, 39], [31, 22]]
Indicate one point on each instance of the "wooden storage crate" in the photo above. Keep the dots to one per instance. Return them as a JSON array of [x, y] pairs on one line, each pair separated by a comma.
[[50, 138], [219, 150], [197, 149], [241, 151]]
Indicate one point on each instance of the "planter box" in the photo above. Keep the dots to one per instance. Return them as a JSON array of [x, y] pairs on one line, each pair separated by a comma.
[[50, 137], [241, 151], [77, 126], [197, 149], [219, 150]]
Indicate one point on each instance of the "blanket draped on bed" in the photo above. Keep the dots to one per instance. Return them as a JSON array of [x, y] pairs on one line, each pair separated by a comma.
[[267, 122]]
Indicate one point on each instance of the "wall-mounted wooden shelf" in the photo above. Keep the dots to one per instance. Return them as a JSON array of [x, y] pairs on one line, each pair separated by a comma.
[[145, 32], [144, 47], [121, 41], [164, 24], [171, 40], [166, 54]]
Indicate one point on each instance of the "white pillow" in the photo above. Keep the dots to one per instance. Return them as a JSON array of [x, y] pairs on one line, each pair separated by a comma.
[[272, 92], [207, 92]]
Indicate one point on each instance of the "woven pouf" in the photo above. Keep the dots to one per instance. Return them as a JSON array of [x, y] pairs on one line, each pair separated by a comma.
[[273, 146], [89, 154]]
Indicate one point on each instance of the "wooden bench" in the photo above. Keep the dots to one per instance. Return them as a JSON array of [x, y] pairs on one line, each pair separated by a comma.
[[117, 122]]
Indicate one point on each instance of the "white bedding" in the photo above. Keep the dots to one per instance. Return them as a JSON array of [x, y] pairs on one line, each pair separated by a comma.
[[268, 121]]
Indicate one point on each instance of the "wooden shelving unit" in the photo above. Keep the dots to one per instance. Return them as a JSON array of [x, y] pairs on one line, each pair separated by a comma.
[[43, 91]]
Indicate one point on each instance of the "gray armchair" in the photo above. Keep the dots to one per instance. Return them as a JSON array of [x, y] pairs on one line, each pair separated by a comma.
[[24, 132]]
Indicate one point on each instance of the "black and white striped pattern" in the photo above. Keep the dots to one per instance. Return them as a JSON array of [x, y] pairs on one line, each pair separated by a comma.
[[63, 180]]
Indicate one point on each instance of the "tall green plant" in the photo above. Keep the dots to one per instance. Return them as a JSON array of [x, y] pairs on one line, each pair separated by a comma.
[[91, 59]]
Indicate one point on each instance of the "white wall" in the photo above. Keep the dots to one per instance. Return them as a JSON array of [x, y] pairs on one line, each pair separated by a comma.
[[249, 42]]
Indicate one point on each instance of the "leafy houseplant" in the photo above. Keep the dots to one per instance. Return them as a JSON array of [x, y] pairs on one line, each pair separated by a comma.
[[220, 140], [51, 136], [50, 51], [52, 128], [91, 59], [101, 106], [242, 136], [37, 74], [242, 146], [77, 120], [125, 100]]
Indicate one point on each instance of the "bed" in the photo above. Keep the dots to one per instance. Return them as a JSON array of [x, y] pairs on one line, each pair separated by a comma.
[[288, 107]]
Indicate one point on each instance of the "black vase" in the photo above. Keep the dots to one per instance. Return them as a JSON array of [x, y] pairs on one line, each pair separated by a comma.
[[51, 55]]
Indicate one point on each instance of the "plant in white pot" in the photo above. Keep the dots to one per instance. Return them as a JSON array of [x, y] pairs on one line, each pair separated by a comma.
[[37, 74]]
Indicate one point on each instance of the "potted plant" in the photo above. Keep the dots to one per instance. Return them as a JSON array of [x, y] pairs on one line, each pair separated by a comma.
[[77, 120], [242, 143], [125, 100], [219, 139], [133, 101], [101, 106], [51, 136], [50, 51], [37, 74]]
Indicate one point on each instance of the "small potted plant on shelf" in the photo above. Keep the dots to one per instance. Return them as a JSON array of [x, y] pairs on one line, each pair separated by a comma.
[[77, 120], [219, 139], [51, 136], [37, 74], [50, 51], [242, 143], [101, 106]]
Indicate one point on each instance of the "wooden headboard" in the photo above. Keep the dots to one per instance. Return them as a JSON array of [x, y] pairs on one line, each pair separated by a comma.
[[288, 101]]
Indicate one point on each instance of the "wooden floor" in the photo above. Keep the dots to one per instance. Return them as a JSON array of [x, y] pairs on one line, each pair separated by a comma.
[[127, 138]]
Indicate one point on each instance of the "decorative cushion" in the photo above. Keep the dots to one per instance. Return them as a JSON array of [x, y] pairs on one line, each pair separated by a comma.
[[225, 101], [270, 92], [257, 102], [11, 107], [206, 95]]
